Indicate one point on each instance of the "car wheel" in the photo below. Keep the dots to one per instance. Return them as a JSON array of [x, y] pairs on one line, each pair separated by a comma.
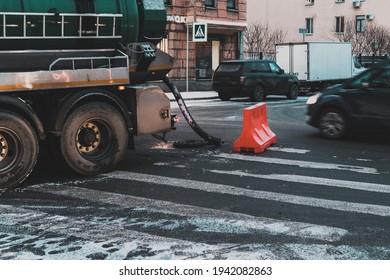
[[294, 92], [258, 94], [224, 96], [332, 124]]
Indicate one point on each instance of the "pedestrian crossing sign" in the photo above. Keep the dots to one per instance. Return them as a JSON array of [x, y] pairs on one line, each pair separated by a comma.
[[199, 32]]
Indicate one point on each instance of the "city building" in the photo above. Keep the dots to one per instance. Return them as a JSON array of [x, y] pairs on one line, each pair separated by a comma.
[[196, 61], [318, 20]]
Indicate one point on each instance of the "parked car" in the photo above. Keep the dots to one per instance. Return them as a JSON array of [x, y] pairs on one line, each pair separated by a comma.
[[361, 103], [253, 78]]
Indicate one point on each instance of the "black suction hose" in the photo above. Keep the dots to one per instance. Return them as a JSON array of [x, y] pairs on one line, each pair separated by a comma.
[[184, 110]]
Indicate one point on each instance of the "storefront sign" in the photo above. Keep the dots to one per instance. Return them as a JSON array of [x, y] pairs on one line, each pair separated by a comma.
[[177, 19]]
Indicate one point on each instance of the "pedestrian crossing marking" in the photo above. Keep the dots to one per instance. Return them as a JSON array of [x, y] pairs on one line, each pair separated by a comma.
[[362, 186], [377, 210], [38, 220], [232, 219], [300, 163]]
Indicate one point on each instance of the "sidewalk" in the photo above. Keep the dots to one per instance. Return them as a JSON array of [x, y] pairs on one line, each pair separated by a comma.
[[195, 95]]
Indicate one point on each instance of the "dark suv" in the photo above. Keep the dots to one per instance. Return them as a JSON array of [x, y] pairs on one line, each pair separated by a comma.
[[253, 78]]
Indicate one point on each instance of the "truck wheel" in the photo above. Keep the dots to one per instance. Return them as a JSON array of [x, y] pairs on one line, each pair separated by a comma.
[[258, 94], [224, 96], [94, 139], [18, 149], [294, 92], [332, 124]]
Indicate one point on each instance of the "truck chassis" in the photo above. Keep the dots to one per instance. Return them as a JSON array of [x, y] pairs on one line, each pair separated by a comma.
[[85, 105]]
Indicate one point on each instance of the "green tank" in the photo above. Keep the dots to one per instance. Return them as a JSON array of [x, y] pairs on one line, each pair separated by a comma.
[[79, 24]]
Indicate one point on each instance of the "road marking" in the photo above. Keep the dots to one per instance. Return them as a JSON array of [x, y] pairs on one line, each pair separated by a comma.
[[111, 238], [344, 206], [201, 217], [97, 238], [300, 163], [288, 150], [370, 187]]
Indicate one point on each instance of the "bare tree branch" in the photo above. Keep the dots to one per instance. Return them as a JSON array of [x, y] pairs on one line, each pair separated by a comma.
[[374, 39], [261, 38]]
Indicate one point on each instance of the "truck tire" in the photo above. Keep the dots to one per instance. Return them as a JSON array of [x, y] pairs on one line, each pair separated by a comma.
[[293, 92], [258, 94], [19, 149], [94, 139], [224, 96]]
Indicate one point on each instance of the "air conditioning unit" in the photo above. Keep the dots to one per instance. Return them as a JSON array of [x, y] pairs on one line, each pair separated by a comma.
[[356, 3], [370, 16]]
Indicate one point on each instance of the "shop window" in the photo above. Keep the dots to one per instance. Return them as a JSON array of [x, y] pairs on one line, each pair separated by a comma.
[[204, 61]]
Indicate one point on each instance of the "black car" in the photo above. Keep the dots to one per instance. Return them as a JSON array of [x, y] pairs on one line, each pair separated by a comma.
[[253, 78], [361, 103]]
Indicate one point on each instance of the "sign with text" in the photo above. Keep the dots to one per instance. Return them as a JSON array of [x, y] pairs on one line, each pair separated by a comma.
[[303, 30], [199, 32]]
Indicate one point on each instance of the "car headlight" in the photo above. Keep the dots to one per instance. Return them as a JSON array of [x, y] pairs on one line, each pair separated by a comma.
[[313, 99]]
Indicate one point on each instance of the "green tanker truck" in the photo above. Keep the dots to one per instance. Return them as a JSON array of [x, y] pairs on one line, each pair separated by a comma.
[[72, 78]]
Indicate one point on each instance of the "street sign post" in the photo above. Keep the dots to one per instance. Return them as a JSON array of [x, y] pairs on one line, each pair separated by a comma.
[[303, 31]]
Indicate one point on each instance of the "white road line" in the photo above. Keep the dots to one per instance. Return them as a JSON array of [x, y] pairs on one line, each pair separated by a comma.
[[96, 235], [288, 150], [370, 187], [204, 218], [344, 206], [68, 226], [112, 239], [304, 164]]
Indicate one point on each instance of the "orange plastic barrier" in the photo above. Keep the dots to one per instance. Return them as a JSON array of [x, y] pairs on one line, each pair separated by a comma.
[[256, 135]]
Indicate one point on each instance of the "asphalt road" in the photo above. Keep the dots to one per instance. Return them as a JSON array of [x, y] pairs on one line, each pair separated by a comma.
[[303, 198]]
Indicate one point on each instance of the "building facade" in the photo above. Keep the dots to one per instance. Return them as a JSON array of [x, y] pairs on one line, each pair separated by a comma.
[[195, 62], [323, 20]]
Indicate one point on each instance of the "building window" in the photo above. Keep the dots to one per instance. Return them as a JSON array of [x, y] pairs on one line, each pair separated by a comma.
[[209, 3], [168, 2], [340, 1], [339, 24], [231, 4], [309, 25], [310, 2], [360, 23]]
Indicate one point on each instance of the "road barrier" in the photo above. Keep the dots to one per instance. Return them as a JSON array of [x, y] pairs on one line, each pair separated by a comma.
[[256, 136]]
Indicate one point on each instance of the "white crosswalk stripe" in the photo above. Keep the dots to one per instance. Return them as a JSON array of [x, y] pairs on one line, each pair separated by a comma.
[[235, 221], [231, 190], [300, 163], [362, 186], [117, 243]]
